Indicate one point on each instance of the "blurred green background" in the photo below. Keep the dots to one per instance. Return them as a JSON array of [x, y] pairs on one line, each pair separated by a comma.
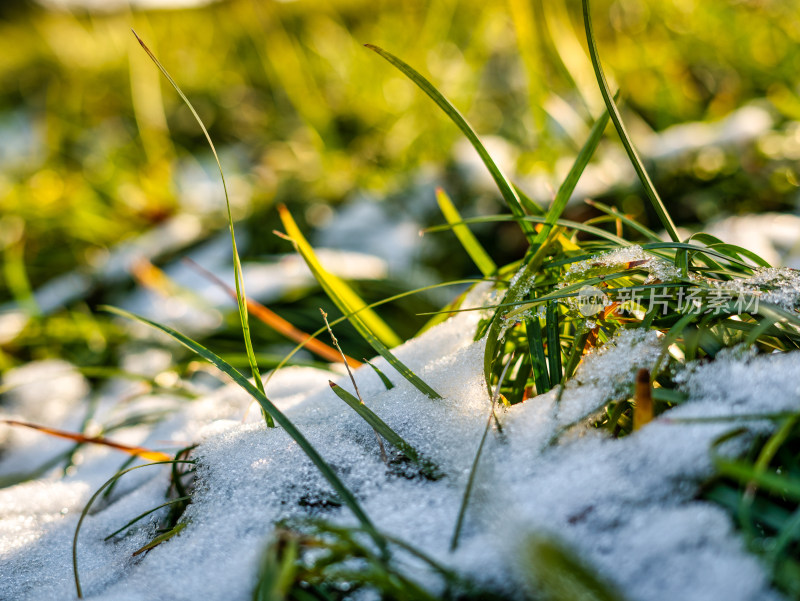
[[103, 171]]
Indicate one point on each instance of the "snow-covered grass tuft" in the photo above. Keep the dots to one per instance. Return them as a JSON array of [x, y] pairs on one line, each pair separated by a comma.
[[641, 441]]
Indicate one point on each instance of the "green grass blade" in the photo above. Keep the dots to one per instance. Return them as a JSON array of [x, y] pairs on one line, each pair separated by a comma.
[[576, 353], [377, 424], [505, 186], [748, 474], [386, 381], [346, 295], [536, 347], [730, 250], [384, 301], [553, 343], [462, 511], [568, 186], [581, 227], [146, 513], [88, 506], [241, 298], [355, 318], [468, 240], [528, 203], [613, 111], [347, 497], [561, 576], [514, 295], [161, 538], [631, 223]]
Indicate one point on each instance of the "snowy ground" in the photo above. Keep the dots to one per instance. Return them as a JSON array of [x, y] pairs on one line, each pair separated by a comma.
[[626, 506]]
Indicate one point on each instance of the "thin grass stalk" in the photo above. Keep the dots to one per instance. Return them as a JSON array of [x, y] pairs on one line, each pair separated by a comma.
[[241, 298], [462, 511]]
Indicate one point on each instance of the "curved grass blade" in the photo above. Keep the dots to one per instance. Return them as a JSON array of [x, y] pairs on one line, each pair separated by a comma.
[[568, 185], [146, 513], [468, 240], [346, 295], [462, 511], [613, 111], [347, 497], [381, 427], [88, 506], [333, 292], [241, 297], [504, 185]]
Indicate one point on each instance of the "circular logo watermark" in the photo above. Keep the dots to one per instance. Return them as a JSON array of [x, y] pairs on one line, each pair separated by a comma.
[[591, 300]]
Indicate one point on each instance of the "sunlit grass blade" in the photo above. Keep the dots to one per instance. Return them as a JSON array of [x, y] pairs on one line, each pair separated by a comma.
[[346, 496], [380, 426], [462, 510], [354, 314], [613, 111], [517, 308], [568, 185], [566, 223], [631, 223], [468, 240], [504, 185], [241, 298], [444, 315], [344, 293], [98, 440], [279, 324], [16, 278]]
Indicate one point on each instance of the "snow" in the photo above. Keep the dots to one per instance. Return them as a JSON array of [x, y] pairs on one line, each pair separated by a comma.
[[626, 506], [659, 269]]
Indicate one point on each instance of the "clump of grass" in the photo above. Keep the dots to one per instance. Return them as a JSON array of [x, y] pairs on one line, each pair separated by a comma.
[[535, 338], [699, 293], [313, 559]]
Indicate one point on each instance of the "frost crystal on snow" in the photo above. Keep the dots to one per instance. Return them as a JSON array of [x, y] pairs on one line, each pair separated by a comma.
[[776, 285]]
